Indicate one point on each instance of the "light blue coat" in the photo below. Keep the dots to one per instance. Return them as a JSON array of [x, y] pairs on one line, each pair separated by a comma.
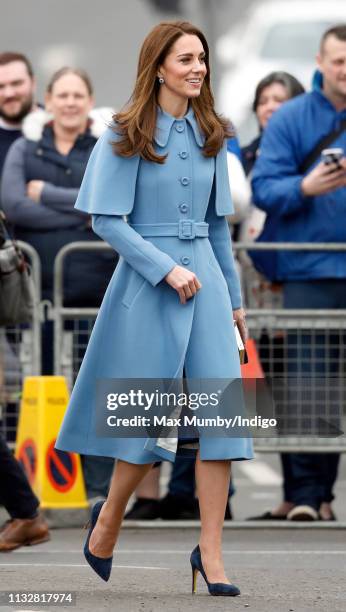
[[142, 330]]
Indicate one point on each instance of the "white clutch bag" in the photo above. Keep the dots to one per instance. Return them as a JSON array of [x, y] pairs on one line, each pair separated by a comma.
[[243, 357]]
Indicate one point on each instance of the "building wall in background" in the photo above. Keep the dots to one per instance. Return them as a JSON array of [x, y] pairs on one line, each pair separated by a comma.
[[103, 37]]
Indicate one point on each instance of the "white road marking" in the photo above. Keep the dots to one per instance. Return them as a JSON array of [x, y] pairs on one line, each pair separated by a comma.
[[260, 473], [140, 567], [186, 552]]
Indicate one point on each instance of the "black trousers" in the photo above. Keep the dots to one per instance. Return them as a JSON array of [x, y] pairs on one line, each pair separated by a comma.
[[309, 477], [15, 492]]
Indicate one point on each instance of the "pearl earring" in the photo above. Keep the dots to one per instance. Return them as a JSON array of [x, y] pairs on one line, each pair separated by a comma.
[[161, 80]]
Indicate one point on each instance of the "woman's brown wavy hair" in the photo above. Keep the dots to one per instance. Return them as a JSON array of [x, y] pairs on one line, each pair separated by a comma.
[[136, 122]]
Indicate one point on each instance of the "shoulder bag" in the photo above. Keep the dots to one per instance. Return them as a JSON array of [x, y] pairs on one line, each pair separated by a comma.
[[17, 291]]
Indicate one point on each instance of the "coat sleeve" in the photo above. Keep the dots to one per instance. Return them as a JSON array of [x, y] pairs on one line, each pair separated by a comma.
[[20, 209], [220, 240], [149, 261], [276, 181], [61, 199]]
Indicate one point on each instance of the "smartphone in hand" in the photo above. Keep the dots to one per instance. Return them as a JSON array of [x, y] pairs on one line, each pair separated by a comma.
[[332, 156]]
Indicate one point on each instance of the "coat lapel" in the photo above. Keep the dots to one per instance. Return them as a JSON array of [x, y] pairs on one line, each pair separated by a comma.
[[164, 124]]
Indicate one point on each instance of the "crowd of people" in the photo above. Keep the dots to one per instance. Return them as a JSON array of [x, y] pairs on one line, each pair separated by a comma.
[[282, 192]]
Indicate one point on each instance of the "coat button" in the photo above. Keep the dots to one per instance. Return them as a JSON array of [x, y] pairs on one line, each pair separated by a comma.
[[185, 180], [68, 171], [183, 207], [179, 127], [39, 151], [185, 260], [183, 154]]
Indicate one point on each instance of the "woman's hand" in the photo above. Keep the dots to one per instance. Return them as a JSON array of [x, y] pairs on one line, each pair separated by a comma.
[[184, 282], [239, 317], [34, 190]]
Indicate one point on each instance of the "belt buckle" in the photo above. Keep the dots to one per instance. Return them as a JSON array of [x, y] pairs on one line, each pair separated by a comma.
[[187, 230]]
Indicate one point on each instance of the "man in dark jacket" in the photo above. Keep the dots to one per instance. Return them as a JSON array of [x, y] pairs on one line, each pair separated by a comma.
[[17, 89], [311, 207], [26, 525]]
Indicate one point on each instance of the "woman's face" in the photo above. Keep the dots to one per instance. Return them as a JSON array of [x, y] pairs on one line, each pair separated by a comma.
[[269, 101], [69, 102], [184, 67]]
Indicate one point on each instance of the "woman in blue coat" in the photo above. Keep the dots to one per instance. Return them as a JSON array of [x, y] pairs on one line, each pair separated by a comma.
[[171, 302]]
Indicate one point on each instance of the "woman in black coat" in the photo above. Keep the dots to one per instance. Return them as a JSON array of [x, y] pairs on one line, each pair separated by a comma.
[[41, 178], [271, 92]]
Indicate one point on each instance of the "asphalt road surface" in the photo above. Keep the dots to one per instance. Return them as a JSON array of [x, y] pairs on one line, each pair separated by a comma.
[[281, 569], [277, 571]]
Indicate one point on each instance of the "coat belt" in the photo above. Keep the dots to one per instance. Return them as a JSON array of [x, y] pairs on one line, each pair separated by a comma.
[[185, 229]]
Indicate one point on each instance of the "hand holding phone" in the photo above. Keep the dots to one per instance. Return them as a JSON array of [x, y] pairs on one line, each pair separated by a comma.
[[328, 175]]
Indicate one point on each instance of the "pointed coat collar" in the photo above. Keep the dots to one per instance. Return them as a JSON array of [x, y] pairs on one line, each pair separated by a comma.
[[165, 121]]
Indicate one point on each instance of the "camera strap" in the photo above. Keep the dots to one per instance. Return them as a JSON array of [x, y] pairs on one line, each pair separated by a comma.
[[322, 144]]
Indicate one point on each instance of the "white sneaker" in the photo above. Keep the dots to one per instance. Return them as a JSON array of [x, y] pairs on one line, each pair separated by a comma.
[[302, 513]]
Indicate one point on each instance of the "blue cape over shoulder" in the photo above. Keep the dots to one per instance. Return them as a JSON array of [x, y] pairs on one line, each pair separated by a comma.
[[109, 183]]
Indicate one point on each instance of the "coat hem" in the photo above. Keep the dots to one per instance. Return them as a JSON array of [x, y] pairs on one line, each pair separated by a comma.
[[71, 445]]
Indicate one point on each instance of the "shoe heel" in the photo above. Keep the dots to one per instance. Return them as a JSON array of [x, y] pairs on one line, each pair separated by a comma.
[[217, 588], [194, 580]]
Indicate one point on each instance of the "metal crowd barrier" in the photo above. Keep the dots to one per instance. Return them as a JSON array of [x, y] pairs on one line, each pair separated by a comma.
[[277, 332], [20, 354], [303, 346], [72, 326]]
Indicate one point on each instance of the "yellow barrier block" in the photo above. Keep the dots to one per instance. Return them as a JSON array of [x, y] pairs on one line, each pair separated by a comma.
[[55, 476]]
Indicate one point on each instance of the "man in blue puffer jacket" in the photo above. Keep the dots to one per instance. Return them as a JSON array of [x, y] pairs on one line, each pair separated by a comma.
[[309, 207]]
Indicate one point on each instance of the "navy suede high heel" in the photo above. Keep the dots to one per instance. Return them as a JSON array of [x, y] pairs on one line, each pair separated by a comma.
[[214, 588], [102, 567]]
